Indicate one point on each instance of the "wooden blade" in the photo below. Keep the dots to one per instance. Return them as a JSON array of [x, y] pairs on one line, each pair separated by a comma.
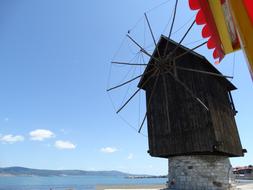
[[142, 49], [152, 34], [136, 92], [188, 90], [127, 63], [190, 50], [149, 101], [183, 38], [203, 72], [171, 27], [124, 83], [173, 20]]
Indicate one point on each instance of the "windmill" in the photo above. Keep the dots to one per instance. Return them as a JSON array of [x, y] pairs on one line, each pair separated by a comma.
[[189, 111]]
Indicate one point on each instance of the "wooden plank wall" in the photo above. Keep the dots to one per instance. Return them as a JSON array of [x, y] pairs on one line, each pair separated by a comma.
[[179, 125]]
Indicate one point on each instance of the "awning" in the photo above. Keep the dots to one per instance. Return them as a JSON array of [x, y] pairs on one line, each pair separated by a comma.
[[228, 25], [205, 17]]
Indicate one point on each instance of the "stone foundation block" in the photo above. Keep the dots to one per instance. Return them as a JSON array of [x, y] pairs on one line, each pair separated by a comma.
[[202, 172]]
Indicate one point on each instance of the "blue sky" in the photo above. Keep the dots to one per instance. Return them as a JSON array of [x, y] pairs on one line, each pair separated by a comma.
[[54, 66]]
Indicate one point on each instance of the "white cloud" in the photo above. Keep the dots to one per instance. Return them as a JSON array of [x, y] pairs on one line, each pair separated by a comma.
[[41, 134], [130, 156], [11, 138], [108, 150], [6, 119], [64, 145]]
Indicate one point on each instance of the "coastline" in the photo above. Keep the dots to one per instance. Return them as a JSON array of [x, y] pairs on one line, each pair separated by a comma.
[[240, 185], [123, 187]]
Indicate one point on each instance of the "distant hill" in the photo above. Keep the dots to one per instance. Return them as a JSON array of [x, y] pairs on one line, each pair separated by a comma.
[[21, 171]]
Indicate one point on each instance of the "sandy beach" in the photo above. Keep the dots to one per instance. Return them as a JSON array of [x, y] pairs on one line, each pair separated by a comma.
[[247, 185], [241, 185], [137, 187]]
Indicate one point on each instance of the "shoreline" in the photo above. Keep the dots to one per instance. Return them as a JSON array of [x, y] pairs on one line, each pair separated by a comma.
[[122, 187], [240, 185]]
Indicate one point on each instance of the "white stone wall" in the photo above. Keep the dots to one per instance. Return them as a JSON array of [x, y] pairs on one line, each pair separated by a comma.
[[202, 172]]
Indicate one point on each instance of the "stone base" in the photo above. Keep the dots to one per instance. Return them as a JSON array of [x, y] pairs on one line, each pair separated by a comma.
[[202, 172]]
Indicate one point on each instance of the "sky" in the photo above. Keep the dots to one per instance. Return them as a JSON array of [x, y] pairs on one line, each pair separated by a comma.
[[55, 59]]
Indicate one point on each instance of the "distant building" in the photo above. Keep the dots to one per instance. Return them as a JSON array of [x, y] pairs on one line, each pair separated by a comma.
[[245, 172]]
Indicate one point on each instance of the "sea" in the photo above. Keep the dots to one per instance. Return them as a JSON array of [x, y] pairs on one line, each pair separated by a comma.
[[70, 182]]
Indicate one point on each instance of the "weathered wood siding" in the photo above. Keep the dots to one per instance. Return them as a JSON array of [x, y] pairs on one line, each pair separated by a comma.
[[179, 125]]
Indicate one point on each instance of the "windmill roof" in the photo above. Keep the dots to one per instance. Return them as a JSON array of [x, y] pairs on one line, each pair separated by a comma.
[[209, 67]]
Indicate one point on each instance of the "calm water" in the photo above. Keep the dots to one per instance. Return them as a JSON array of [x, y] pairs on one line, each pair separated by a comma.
[[68, 182]]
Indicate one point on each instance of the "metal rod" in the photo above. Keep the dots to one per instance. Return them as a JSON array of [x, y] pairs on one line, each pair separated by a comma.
[[190, 50], [152, 34], [134, 93], [127, 63], [203, 72], [124, 83], [149, 101]]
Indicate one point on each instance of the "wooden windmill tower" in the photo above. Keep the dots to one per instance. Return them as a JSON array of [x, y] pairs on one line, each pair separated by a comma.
[[190, 116], [189, 113]]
